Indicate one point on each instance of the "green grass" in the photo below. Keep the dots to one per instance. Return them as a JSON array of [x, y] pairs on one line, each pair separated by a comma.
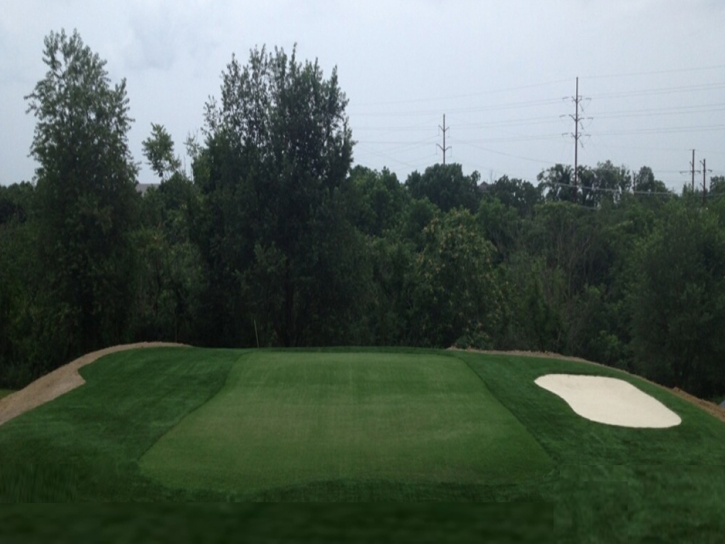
[[293, 418], [333, 426]]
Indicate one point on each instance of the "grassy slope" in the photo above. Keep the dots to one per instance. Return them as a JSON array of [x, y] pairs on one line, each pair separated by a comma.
[[610, 484], [85, 444], [616, 484], [290, 418]]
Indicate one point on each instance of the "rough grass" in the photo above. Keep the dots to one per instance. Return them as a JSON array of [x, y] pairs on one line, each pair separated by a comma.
[[616, 484], [608, 484], [285, 419], [379, 523]]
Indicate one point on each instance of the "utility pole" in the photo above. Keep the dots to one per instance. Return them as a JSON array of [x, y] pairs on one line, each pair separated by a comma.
[[704, 178], [577, 99], [444, 148], [692, 171]]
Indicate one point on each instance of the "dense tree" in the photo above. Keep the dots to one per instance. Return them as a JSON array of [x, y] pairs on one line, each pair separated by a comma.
[[277, 155], [278, 241], [446, 186], [377, 200], [557, 183], [19, 273], [515, 193], [86, 198], [169, 267], [605, 183], [457, 296], [678, 300]]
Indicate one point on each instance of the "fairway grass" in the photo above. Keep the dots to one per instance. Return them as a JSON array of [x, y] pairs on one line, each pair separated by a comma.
[[294, 418], [298, 409]]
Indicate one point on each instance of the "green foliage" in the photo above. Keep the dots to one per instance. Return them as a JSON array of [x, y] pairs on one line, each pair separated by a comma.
[[445, 186], [276, 240], [86, 200], [515, 193], [377, 200], [595, 186], [277, 156], [169, 267], [159, 152], [456, 291], [19, 271], [678, 309]]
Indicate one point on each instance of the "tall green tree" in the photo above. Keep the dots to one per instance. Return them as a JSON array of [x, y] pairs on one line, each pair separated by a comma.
[[86, 198], [159, 152], [278, 152], [457, 298]]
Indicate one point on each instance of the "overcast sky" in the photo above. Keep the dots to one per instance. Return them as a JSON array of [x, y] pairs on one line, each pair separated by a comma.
[[651, 74]]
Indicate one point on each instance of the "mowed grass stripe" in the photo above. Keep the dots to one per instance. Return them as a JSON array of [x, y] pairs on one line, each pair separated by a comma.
[[293, 417]]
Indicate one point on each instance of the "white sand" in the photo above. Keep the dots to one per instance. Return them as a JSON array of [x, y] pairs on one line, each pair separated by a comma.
[[610, 401]]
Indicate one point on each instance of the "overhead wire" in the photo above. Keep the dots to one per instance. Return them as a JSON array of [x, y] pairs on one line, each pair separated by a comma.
[[469, 122]]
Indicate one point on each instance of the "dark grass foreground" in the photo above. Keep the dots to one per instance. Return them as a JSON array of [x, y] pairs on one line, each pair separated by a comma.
[[605, 484], [278, 523]]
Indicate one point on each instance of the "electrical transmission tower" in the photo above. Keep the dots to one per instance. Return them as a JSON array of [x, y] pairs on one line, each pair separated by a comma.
[[578, 134], [444, 129], [692, 170]]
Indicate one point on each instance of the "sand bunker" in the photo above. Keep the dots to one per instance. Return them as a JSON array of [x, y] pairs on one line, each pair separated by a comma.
[[58, 382], [610, 401]]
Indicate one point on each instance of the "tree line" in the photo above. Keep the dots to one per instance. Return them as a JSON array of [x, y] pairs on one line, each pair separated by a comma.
[[274, 238]]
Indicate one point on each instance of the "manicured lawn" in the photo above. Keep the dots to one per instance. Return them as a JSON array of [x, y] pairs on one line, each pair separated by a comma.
[[616, 484], [287, 418], [383, 427]]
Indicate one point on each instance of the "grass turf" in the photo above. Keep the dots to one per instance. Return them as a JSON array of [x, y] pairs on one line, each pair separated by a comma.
[[292, 418], [608, 484]]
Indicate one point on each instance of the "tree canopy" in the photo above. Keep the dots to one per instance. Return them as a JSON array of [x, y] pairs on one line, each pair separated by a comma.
[[275, 238]]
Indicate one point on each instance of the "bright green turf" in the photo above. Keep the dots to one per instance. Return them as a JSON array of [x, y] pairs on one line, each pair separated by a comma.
[[608, 484], [5, 392], [288, 418]]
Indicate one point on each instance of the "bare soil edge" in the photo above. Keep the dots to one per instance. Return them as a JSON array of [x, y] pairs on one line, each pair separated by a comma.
[[60, 381], [710, 407]]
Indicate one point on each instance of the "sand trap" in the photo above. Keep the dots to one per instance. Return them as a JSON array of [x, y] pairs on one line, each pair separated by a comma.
[[58, 382], [610, 401]]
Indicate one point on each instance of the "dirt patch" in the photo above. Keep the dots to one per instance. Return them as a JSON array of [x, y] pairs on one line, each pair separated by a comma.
[[709, 407], [58, 382]]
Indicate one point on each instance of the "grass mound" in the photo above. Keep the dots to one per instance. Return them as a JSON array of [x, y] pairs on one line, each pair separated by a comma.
[[289, 418]]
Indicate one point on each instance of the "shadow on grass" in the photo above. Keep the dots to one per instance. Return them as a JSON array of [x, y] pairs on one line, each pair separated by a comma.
[[267, 523]]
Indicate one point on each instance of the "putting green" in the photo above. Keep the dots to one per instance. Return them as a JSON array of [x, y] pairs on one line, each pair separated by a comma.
[[291, 418]]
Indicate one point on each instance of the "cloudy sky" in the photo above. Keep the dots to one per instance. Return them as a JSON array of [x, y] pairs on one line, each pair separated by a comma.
[[651, 75]]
